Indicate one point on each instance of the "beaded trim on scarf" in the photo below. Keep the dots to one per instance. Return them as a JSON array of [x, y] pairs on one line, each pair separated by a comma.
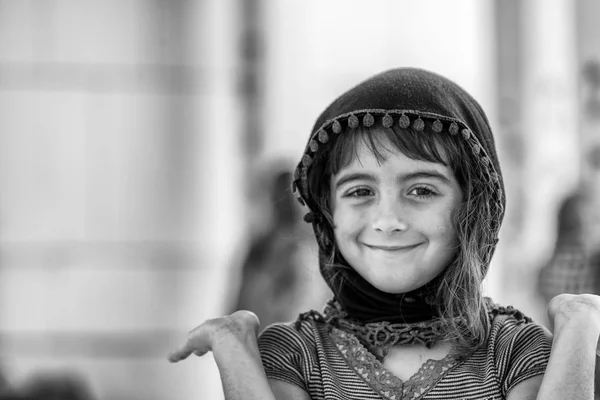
[[420, 121], [405, 118]]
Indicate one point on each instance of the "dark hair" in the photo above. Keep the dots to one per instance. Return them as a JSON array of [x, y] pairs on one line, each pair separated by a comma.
[[458, 293]]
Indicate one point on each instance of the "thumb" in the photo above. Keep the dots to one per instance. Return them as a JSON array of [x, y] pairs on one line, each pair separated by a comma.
[[184, 352], [181, 353]]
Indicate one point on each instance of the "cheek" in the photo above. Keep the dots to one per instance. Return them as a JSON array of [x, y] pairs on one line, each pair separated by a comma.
[[445, 230], [444, 233], [347, 222]]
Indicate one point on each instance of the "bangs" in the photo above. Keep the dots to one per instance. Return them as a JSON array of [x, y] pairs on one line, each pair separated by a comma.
[[380, 141]]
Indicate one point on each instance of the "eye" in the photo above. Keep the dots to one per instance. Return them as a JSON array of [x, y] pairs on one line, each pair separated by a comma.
[[359, 192], [422, 192]]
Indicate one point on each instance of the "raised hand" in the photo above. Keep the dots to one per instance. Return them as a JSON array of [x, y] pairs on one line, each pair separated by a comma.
[[565, 307], [239, 326], [580, 311]]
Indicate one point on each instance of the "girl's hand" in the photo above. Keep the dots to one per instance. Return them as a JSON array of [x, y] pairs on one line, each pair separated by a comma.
[[215, 332]]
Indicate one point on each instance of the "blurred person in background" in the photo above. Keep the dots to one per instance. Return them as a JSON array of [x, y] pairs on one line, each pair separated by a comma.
[[567, 271], [573, 267], [406, 199], [50, 387], [276, 279], [65, 387]]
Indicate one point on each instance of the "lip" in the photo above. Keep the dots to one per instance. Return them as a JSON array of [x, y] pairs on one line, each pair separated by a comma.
[[393, 248]]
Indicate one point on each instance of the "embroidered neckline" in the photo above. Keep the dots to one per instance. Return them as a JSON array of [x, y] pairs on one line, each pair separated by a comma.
[[372, 371], [378, 337]]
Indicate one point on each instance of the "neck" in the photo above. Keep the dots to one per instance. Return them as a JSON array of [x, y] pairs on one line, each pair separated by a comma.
[[364, 303]]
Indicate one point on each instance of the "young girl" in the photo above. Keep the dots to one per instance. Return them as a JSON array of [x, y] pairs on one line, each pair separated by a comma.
[[405, 196]]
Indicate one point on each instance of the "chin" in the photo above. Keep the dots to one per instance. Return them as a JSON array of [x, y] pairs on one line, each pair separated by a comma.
[[390, 288]]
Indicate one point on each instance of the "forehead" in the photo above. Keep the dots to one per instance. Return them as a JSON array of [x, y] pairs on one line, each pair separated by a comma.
[[376, 148], [393, 165]]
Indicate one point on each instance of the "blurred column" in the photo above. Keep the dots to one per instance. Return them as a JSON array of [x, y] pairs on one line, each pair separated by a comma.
[[252, 69], [120, 189], [509, 133], [546, 119]]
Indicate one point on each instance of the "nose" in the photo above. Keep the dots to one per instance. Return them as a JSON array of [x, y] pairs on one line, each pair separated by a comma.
[[389, 217]]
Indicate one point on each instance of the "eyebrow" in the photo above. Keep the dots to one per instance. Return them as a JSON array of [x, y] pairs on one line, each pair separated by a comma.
[[365, 176], [355, 176], [425, 173]]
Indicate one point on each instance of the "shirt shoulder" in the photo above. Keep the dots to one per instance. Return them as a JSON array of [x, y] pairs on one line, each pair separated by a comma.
[[520, 347], [288, 337], [289, 351]]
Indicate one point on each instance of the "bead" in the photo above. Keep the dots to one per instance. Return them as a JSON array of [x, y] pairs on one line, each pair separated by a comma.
[[387, 121], [419, 125], [466, 133], [306, 160], [314, 146], [353, 122], [323, 137], [453, 128], [404, 121], [309, 217], [476, 149], [368, 120], [337, 127], [485, 160], [437, 126]]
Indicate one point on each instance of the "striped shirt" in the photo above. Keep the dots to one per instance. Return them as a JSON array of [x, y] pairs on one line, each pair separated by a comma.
[[333, 365]]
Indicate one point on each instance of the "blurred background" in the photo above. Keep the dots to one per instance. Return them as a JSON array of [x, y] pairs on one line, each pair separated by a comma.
[[146, 146]]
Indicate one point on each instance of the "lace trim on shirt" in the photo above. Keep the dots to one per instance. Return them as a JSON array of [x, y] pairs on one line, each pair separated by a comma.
[[378, 337], [372, 371]]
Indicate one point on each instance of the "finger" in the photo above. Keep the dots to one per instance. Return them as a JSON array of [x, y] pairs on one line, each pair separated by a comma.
[[195, 343]]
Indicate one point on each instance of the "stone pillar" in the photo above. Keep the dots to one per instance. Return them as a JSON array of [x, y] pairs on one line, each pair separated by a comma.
[[120, 180]]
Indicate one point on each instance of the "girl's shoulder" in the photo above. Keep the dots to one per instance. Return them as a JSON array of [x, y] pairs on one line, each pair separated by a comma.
[[518, 347], [293, 351], [509, 322], [516, 338], [307, 333]]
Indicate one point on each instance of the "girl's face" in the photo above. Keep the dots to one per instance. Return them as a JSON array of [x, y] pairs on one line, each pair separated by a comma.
[[393, 218]]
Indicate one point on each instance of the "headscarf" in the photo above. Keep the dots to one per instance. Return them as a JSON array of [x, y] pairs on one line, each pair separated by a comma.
[[411, 98]]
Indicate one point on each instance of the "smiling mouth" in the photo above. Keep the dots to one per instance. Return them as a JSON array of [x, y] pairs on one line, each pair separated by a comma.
[[393, 248]]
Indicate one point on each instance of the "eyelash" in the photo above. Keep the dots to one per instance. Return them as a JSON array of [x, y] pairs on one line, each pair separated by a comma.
[[354, 192], [430, 192]]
